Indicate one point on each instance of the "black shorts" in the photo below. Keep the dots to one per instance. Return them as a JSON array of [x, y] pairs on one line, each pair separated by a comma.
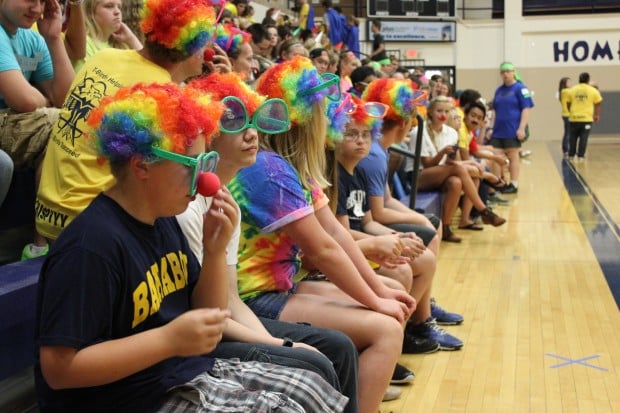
[[427, 234], [505, 143]]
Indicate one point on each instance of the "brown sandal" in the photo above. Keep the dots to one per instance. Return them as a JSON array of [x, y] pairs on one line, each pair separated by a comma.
[[449, 236]]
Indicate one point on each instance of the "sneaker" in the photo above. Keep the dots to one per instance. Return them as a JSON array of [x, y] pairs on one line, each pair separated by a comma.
[[509, 189], [491, 218], [581, 159], [444, 317], [430, 329], [497, 199], [413, 344], [391, 393], [525, 153], [402, 375], [33, 251]]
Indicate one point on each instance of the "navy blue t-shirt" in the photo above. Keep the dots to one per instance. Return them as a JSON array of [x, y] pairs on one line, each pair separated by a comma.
[[110, 276], [352, 197]]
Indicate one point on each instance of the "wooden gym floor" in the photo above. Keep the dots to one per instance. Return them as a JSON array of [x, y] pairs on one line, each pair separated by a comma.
[[542, 326]]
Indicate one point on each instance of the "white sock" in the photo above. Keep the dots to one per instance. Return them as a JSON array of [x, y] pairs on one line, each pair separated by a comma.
[[35, 249], [515, 184]]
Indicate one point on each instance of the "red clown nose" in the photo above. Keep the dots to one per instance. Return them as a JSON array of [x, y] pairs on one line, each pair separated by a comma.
[[442, 118], [208, 184], [209, 53]]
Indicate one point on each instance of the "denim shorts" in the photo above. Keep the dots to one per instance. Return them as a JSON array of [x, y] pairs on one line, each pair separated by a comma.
[[270, 304]]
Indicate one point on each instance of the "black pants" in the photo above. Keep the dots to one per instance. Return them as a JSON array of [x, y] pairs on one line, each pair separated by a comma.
[[579, 131]]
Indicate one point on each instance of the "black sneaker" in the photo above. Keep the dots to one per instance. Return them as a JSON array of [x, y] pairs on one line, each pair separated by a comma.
[[419, 345], [509, 189], [402, 375]]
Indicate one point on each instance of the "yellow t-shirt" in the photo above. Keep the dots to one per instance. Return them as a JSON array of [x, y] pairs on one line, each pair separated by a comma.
[[92, 47], [72, 176], [303, 16], [564, 101], [464, 135], [582, 98]]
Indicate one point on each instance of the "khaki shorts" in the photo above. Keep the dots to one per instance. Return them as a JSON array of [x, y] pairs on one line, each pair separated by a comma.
[[24, 136]]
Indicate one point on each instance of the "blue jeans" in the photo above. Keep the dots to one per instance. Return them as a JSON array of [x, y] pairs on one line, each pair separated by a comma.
[[6, 174], [337, 365], [579, 131], [566, 136]]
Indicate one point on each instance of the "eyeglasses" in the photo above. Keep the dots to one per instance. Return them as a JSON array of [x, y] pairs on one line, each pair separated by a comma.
[[352, 135], [205, 162], [271, 117], [372, 109], [331, 82]]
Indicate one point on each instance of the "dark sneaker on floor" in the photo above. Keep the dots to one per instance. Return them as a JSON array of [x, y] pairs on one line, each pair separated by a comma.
[[402, 375], [413, 344], [444, 317], [509, 189], [429, 329]]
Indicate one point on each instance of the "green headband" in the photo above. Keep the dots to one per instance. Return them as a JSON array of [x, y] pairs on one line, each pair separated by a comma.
[[507, 66]]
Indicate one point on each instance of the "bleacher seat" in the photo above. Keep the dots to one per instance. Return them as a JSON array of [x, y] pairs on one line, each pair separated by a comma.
[[17, 216], [18, 291], [428, 202]]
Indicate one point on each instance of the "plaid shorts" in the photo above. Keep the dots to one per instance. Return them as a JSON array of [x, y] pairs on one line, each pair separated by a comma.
[[251, 386], [24, 136]]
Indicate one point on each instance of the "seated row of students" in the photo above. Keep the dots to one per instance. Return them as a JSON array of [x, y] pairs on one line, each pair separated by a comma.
[[84, 176], [391, 305], [128, 70], [373, 333], [445, 167]]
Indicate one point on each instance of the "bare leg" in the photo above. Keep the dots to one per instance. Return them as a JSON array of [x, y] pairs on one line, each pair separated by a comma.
[[377, 337], [515, 164], [452, 193]]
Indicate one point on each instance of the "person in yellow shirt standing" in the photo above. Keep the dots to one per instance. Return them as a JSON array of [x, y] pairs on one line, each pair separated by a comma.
[[563, 92], [584, 108], [306, 15]]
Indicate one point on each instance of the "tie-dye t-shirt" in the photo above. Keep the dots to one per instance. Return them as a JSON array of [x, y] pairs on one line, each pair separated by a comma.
[[270, 196]]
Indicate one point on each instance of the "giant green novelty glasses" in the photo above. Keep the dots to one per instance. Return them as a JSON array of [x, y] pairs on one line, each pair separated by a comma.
[[205, 162], [331, 82], [271, 117]]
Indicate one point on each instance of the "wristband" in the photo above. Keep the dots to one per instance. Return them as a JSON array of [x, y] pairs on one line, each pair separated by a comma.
[[287, 342]]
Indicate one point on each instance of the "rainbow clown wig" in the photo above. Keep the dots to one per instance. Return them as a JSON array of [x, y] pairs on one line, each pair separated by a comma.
[[362, 117], [221, 85], [230, 39], [137, 118], [337, 119], [288, 81], [182, 25], [401, 97]]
